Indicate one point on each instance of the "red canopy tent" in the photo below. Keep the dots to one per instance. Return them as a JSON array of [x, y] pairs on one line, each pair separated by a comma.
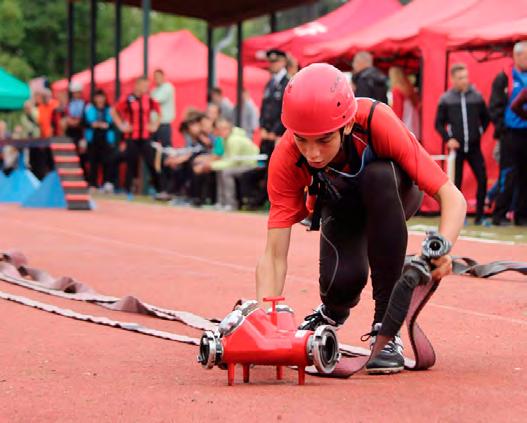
[[183, 58], [434, 34], [396, 34], [509, 31], [351, 17]]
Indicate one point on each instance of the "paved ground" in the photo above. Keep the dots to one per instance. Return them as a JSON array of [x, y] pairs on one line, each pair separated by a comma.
[[59, 370]]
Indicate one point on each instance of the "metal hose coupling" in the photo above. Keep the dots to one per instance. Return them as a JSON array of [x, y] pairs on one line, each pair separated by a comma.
[[210, 349], [323, 349], [435, 245], [417, 270]]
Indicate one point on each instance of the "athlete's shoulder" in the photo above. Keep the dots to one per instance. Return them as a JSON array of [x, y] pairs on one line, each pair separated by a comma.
[[364, 106], [286, 151]]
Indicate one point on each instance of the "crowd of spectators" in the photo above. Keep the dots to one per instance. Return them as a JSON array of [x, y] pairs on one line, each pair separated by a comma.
[[221, 165]]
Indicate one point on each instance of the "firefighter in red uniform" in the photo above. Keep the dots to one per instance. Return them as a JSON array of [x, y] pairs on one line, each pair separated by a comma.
[[367, 173]]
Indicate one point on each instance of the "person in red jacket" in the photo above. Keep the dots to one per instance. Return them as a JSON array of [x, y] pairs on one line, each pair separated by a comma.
[[367, 171], [137, 115]]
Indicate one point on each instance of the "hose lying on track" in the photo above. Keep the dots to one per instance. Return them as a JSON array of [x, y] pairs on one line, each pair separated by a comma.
[[14, 269]]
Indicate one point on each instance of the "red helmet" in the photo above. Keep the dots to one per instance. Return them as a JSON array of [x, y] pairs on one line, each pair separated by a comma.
[[318, 100]]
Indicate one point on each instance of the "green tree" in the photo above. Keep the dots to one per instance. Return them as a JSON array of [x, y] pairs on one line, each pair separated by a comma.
[[11, 35]]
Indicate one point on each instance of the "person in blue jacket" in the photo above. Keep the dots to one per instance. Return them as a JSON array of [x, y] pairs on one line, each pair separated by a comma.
[[100, 136]]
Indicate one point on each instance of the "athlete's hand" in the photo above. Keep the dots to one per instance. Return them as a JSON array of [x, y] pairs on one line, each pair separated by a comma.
[[443, 267], [453, 144]]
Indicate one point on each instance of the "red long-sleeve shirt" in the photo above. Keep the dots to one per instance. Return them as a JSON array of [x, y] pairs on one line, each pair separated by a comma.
[[390, 140]]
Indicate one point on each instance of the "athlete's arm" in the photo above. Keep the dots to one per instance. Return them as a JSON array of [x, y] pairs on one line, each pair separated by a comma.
[[453, 211], [272, 266], [392, 140]]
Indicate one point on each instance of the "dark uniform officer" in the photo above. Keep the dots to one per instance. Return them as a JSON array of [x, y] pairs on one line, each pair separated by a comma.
[[271, 110]]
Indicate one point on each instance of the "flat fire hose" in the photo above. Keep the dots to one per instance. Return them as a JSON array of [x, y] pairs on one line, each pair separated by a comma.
[[416, 281], [14, 270]]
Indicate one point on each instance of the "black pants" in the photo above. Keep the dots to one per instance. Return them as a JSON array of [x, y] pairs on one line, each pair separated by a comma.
[[513, 168], [477, 164], [164, 136], [76, 133], [267, 147], [519, 138], [100, 154], [203, 188], [135, 149], [369, 228]]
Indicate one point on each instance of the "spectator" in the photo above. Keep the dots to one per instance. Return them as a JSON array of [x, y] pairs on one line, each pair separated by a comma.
[[250, 115], [164, 93], [292, 65], [368, 81], [511, 130], [271, 128], [519, 106], [40, 158], [203, 184], [100, 137], [74, 120], [232, 164], [209, 138], [29, 127], [8, 154], [213, 112], [60, 113], [224, 104], [190, 127], [180, 176], [461, 119], [133, 116], [405, 101]]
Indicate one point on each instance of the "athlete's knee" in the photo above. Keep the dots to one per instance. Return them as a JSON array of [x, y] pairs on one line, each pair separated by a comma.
[[343, 289], [377, 175]]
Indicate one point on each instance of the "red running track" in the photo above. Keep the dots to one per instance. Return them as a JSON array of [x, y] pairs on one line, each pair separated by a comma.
[[54, 369]]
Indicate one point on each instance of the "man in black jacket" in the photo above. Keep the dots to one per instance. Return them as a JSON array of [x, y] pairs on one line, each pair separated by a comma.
[[461, 119], [271, 127], [368, 81]]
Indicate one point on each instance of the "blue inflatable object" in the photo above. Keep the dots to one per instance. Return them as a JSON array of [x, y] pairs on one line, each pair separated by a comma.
[[49, 194], [19, 185], [3, 179]]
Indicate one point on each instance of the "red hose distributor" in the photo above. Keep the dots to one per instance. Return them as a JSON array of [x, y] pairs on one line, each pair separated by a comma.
[[249, 335]]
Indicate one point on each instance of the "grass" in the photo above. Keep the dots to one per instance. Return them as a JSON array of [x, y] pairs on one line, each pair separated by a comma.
[[514, 234]]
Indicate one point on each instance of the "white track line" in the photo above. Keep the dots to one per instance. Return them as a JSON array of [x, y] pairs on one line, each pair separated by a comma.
[[221, 263]]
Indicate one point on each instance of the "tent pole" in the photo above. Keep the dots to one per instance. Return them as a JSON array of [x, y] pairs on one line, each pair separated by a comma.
[[210, 60], [118, 24], [446, 68], [69, 62], [93, 44], [273, 21], [239, 88], [146, 34]]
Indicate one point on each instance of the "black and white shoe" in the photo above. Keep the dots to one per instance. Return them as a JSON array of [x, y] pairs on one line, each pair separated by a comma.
[[318, 318], [390, 359]]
